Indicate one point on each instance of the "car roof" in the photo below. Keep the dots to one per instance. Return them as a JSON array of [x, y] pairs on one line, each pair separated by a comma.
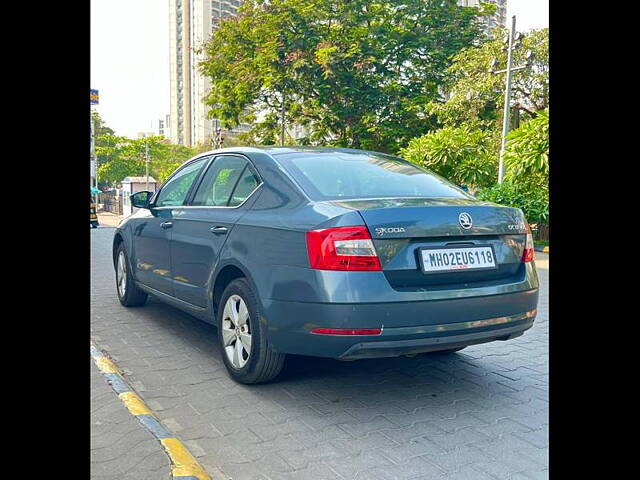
[[276, 150]]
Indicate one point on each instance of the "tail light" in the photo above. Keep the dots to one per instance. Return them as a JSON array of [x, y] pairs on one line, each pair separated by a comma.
[[527, 255], [342, 248]]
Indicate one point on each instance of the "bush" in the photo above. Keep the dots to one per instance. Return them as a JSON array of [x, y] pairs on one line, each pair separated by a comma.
[[533, 200], [463, 155], [527, 152]]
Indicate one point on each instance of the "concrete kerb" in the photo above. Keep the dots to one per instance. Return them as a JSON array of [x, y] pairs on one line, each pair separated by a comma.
[[184, 466]]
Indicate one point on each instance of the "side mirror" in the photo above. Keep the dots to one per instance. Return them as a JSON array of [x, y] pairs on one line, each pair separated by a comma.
[[141, 199]]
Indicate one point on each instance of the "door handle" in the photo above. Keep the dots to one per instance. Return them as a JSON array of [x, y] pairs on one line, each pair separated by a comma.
[[219, 230], [166, 224]]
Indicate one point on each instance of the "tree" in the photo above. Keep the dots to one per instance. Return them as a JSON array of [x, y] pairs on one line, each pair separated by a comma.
[[353, 73], [100, 127], [463, 155], [476, 96], [466, 148], [526, 183], [127, 158], [119, 157], [118, 168], [166, 157], [527, 153]]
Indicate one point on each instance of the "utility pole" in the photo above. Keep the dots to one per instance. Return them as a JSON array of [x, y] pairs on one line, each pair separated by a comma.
[[283, 125], [94, 164], [146, 156], [514, 42], [216, 138], [507, 101]]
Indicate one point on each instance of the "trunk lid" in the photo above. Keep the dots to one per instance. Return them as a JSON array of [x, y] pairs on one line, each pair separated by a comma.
[[400, 228]]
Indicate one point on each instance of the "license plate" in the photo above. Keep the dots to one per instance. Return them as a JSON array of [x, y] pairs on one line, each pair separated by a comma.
[[456, 259]]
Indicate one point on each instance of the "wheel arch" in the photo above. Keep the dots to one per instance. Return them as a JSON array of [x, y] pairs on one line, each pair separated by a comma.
[[225, 274], [117, 240]]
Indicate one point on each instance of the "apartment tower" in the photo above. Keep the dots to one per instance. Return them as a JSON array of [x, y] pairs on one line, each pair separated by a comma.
[[190, 25], [499, 18]]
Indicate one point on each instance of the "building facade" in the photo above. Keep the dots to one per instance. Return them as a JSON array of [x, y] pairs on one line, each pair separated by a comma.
[[498, 19], [161, 126], [190, 25]]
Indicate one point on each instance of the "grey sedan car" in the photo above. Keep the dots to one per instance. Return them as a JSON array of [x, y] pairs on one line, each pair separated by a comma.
[[338, 253]]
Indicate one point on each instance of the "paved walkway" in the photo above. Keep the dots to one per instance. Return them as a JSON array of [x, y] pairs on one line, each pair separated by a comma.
[[108, 219], [121, 448], [479, 414]]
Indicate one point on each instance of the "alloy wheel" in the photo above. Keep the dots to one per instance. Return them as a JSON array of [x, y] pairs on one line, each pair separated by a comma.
[[121, 275], [236, 331]]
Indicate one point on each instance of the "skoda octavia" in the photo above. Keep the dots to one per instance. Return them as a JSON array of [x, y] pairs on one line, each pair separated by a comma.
[[336, 253]]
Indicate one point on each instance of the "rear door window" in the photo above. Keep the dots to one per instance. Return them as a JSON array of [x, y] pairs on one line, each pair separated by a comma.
[[227, 183]]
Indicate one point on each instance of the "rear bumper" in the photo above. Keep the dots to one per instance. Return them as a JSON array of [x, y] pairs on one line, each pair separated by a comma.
[[407, 327], [511, 327]]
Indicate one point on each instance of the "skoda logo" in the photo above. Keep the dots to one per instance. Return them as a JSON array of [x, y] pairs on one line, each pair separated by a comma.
[[465, 220]]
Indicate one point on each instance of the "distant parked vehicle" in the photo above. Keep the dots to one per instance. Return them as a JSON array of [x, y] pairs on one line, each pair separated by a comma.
[[93, 217], [337, 253]]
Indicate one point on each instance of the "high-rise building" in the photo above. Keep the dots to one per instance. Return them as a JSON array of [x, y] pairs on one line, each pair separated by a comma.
[[190, 25], [499, 18], [161, 126]]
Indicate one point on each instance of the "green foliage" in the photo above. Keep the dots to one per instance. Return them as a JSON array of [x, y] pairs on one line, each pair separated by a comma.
[[100, 128], [466, 149], [353, 73], [119, 167], [120, 157], [463, 155], [527, 153], [533, 200], [476, 96], [166, 157], [106, 140]]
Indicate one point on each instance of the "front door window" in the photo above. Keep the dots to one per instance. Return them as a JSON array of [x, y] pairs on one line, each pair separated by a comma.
[[174, 192]]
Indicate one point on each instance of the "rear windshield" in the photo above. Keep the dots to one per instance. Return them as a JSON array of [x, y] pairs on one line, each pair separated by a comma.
[[331, 176]]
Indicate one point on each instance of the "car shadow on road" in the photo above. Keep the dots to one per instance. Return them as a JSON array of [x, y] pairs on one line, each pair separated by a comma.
[[429, 374]]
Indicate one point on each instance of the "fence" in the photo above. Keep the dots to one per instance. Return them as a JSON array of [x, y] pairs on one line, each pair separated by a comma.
[[111, 203], [541, 232]]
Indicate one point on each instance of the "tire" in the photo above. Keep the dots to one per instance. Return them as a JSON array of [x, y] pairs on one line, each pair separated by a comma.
[[94, 225], [130, 295], [260, 363]]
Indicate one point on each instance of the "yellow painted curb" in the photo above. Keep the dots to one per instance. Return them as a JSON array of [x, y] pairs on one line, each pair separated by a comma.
[[134, 403], [184, 464], [545, 250], [105, 365]]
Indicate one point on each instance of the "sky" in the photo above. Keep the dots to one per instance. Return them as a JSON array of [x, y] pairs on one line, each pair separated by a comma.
[[529, 14], [130, 62], [130, 57]]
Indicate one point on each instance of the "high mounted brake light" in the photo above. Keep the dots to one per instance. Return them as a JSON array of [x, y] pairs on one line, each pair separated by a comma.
[[342, 248], [527, 254]]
